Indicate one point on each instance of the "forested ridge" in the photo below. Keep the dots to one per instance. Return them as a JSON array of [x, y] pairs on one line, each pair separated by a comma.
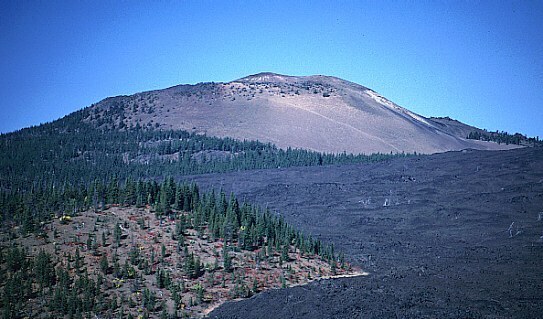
[[60, 160], [504, 138], [169, 282], [72, 167]]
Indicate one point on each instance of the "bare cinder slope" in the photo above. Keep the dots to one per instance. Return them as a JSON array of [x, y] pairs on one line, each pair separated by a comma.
[[320, 113]]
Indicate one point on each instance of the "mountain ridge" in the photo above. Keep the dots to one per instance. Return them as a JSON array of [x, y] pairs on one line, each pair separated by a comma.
[[320, 113]]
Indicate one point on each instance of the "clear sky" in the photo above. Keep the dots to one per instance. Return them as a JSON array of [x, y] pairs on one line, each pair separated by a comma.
[[480, 62]]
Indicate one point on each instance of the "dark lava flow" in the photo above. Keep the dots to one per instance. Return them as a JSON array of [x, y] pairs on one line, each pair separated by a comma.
[[452, 235]]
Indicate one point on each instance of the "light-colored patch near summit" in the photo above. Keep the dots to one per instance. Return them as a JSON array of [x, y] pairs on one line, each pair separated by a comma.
[[381, 100], [418, 118]]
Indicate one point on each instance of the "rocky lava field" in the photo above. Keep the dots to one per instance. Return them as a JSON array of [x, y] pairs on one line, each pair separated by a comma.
[[451, 235]]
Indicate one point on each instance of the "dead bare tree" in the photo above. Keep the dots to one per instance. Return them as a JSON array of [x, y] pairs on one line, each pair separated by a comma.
[[510, 229]]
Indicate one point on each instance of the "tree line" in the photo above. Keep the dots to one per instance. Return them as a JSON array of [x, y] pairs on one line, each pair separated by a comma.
[[73, 150], [225, 217], [504, 138]]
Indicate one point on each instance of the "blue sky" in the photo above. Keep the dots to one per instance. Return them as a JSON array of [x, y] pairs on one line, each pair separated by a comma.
[[480, 62]]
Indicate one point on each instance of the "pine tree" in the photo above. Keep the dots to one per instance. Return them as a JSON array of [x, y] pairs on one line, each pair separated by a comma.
[[117, 233], [163, 252], [159, 279], [284, 253], [43, 270], [77, 263], [104, 264], [227, 260]]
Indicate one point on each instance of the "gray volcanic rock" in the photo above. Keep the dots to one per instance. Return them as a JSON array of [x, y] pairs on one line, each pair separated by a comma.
[[320, 113], [451, 235]]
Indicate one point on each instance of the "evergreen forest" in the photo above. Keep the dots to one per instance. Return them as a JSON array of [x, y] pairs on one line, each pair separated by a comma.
[[70, 170]]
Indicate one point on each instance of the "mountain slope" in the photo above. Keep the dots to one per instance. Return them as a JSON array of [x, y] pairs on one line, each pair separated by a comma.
[[320, 113]]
